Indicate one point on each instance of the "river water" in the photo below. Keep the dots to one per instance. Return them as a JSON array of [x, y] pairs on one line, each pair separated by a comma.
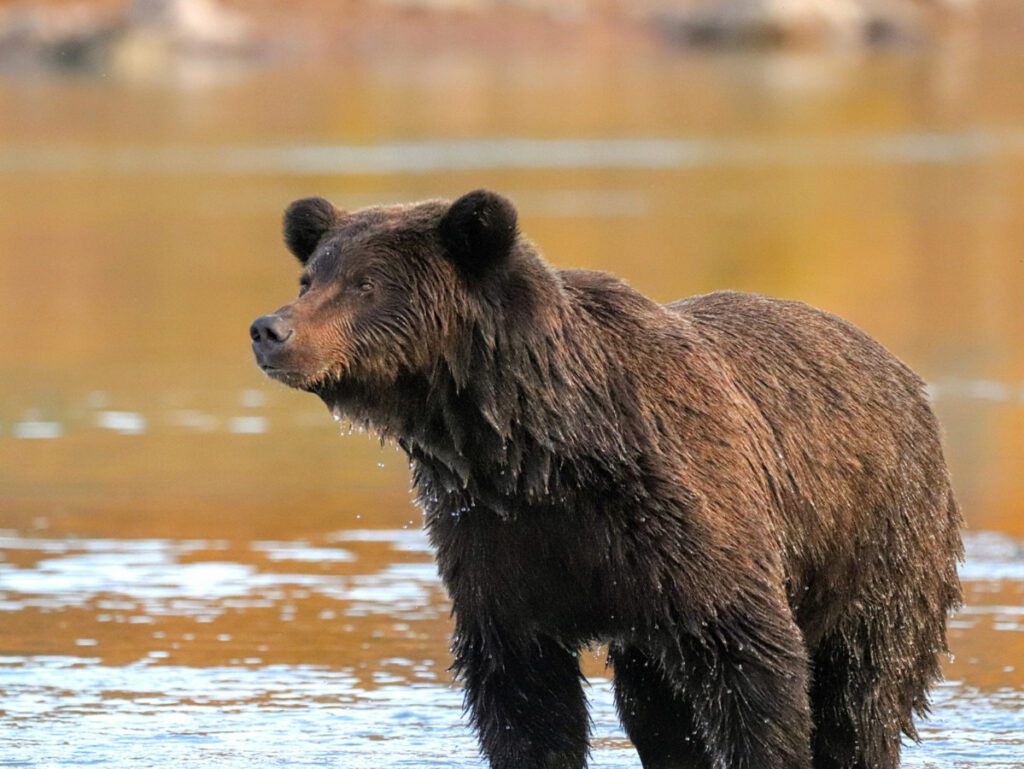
[[197, 570]]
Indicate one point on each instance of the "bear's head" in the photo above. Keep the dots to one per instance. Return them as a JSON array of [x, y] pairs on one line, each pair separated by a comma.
[[391, 297]]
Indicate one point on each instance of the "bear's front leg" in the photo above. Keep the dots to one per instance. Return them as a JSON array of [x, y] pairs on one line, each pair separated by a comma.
[[658, 719], [525, 700]]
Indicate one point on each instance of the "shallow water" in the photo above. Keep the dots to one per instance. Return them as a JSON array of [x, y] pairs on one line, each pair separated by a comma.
[[196, 570], [155, 652]]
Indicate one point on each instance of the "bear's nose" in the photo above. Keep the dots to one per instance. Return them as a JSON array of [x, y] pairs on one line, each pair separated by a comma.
[[270, 330]]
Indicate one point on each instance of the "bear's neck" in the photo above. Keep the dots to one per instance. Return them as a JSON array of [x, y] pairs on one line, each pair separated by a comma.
[[525, 409], [524, 416]]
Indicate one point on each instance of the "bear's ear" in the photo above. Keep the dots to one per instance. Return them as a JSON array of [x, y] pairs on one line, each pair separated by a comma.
[[305, 222], [479, 230]]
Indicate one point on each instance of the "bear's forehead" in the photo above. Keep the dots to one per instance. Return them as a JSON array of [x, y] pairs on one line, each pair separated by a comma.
[[380, 230], [382, 221]]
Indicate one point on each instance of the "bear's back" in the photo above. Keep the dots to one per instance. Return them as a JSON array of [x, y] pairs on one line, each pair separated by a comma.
[[802, 365], [851, 428]]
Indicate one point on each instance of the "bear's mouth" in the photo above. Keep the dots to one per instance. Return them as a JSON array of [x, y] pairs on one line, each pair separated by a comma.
[[300, 380], [286, 376]]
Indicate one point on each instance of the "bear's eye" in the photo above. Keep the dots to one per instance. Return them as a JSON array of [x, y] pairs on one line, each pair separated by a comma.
[[365, 286]]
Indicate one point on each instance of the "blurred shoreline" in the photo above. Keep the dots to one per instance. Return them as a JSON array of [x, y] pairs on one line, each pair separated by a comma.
[[128, 36]]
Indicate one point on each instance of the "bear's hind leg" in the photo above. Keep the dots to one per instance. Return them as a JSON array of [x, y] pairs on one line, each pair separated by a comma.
[[746, 677], [658, 720], [872, 671], [854, 725], [868, 681]]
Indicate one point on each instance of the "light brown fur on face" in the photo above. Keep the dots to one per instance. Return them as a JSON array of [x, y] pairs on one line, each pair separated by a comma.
[[746, 498], [361, 286], [317, 351]]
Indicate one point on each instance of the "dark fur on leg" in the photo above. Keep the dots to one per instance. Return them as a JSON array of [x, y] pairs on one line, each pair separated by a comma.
[[526, 702], [858, 713], [658, 721], [748, 687]]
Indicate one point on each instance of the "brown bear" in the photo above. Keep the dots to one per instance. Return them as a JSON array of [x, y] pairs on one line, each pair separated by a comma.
[[745, 498]]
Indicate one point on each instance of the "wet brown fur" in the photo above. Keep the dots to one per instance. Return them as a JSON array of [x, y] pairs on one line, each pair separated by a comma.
[[746, 498]]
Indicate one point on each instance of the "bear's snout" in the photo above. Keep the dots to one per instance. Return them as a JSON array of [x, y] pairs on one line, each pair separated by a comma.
[[290, 349], [269, 333]]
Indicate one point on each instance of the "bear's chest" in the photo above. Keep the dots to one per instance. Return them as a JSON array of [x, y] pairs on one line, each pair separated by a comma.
[[542, 570]]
